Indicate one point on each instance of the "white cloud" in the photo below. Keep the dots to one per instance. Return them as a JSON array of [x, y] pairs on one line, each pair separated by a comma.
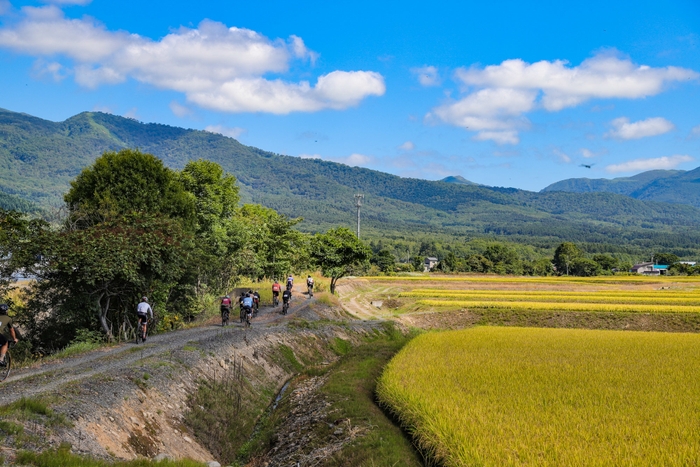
[[102, 108], [562, 155], [427, 75], [68, 2], [666, 162], [231, 132], [695, 131], [53, 70], [215, 66], [498, 137], [4, 6], [310, 156], [623, 129], [497, 96], [355, 160], [407, 146], [180, 110], [132, 113]]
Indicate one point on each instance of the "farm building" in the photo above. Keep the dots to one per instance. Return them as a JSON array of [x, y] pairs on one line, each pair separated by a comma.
[[430, 263], [649, 269]]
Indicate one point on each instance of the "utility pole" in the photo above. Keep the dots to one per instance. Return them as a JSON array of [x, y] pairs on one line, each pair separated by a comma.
[[358, 203]]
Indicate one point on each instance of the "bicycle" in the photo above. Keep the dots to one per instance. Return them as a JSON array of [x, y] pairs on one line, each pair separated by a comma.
[[225, 314], [310, 290], [141, 334], [248, 316], [285, 308], [5, 370], [275, 301]]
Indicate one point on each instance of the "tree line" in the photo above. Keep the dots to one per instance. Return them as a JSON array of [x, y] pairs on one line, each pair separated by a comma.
[[133, 227]]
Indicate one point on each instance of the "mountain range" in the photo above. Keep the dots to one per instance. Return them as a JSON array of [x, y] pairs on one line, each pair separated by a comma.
[[39, 158], [669, 186]]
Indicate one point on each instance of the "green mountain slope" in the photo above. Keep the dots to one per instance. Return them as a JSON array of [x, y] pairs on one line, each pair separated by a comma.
[[668, 186], [39, 158]]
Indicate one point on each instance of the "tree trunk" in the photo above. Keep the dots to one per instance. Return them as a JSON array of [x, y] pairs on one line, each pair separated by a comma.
[[103, 316], [333, 281]]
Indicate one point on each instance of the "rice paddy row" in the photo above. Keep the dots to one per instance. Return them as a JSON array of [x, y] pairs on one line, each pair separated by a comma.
[[563, 306], [549, 397]]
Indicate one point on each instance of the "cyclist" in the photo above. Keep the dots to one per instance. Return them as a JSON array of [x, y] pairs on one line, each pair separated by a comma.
[[256, 301], [310, 285], [286, 296], [5, 323], [247, 308], [276, 288], [225, 307], [290, 282], [240, 305], [143, 310]]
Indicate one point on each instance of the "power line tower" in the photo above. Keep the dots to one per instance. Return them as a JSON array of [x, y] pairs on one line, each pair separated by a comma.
[[358, 204]]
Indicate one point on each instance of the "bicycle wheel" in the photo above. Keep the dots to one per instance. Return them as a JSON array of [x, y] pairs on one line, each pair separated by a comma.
[[5, 370]]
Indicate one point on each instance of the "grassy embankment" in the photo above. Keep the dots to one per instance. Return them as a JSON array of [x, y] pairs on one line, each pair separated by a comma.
[[240, 434], [514, 396]]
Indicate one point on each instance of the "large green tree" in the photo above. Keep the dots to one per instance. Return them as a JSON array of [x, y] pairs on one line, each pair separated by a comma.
[[128, 181], [564, 256], [338, 253], [96, 274]]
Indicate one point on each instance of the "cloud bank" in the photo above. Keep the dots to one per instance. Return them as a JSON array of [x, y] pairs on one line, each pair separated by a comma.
[[641, 165], [623, 129], [216, 67], [497, 97]]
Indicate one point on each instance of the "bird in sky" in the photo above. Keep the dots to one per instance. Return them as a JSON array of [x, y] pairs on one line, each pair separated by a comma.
[[588, 166]]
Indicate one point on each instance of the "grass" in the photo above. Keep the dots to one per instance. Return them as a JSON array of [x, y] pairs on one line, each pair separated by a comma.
[[62, 457], [351, 391], [77, 348], [549, 397], [33, 409]]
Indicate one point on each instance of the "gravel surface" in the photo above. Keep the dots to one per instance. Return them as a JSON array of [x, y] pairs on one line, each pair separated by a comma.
[[129, 400]]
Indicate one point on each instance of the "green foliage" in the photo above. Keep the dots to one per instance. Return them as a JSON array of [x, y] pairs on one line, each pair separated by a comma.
[[338, 252], [384, 260], [128, 181], [564, 257], [665, 258], [99, 272]]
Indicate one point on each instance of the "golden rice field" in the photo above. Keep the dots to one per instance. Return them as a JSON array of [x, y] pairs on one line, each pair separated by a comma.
[[628, 294], [500, 396]]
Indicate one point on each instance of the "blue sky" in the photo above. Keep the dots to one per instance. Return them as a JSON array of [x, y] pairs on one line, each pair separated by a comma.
[[503, 93]]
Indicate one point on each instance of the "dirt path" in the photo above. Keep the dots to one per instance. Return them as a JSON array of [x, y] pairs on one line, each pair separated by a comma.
[[47, 377]]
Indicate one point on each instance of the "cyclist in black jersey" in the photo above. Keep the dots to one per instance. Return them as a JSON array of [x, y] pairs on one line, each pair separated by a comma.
[[6, 329]]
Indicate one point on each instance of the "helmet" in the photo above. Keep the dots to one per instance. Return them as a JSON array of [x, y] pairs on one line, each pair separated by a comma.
[[144, 299], [227, 296], [4, 308]]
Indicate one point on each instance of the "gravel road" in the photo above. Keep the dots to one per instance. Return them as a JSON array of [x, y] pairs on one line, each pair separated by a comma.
[[48, 377]]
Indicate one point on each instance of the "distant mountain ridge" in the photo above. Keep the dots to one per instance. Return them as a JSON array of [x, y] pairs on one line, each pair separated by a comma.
[[457, 179], [39, 158], [668, 186]]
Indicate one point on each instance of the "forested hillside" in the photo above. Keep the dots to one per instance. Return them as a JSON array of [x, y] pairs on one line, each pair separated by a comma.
[[668, 186], [39, 158]]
